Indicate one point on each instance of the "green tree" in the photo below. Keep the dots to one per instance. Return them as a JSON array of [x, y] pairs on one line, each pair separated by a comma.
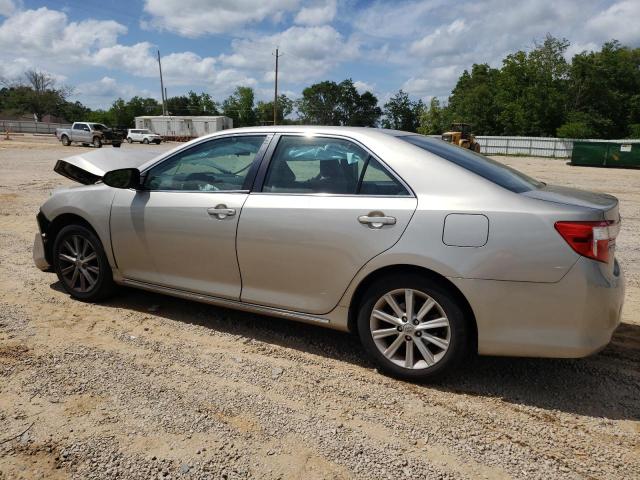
[[473, 100], [331, 103], [401, 113], [435, 119], [321, 104], [532, 90], [239, 107], [192, 104], [357, 110], [605, 85], [264, 110]]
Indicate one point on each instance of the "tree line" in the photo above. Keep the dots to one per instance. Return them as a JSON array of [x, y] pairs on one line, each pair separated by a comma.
[[540, 93], [535, 93]]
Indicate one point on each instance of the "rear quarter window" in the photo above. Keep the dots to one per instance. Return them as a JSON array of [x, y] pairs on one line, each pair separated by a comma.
[[495, 172]]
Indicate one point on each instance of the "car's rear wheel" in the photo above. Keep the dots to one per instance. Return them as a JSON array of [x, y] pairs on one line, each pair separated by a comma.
[[413, 327], [65, 141], [145, 141], [81, 264], [97, 143]]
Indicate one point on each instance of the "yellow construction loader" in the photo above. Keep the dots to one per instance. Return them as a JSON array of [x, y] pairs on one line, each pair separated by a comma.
[[460, 135]]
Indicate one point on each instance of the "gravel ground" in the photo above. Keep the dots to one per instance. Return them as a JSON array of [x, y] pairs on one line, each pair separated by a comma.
[[146, 386]]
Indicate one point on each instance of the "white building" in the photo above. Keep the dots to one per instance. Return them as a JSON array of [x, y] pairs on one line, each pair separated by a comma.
[[184, 126]]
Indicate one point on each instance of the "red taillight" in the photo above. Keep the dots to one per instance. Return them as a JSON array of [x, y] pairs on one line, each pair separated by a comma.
[[591, 239]]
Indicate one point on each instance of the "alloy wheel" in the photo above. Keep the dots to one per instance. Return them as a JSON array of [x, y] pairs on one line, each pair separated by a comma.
[[410, 329], [79, 266]]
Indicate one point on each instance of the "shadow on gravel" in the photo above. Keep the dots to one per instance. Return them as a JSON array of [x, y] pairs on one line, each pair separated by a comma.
[[605, 385]]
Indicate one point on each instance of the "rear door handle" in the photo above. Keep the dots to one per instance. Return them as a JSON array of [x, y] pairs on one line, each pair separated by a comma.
[[221, 211], [374, 220]]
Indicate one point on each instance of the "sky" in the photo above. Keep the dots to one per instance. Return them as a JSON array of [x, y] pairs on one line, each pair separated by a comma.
[[107, 49]]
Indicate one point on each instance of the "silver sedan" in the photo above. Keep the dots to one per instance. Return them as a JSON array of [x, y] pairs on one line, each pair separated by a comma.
[[428, 251]]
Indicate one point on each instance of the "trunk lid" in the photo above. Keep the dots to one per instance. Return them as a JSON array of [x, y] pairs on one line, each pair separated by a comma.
[[594, 238], [605, 203], [89, 167]]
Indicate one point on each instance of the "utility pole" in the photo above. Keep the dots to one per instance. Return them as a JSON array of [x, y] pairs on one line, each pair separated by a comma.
[[275, 95], [166, 99], [164, 106]]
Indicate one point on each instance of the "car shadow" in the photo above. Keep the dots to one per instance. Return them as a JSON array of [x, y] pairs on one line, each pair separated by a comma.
[[605, 385]]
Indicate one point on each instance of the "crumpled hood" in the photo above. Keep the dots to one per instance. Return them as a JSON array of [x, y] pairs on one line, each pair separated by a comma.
[[89, 167]]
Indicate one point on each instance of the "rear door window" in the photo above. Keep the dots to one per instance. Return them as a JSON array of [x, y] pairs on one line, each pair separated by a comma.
[[315, 165], [495, 172]]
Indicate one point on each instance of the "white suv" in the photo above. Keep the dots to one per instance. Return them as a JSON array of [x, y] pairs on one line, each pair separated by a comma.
[[143, 136]]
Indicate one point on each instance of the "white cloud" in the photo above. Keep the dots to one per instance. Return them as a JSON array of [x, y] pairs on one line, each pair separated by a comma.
[[317, 13], [46, 40], [7, 7], [44, 31], [434, 44], [442, 41], [401, 19], [437, 82], [194, 18], [363, 86], [619, 21], [308, 53], [102, 93]]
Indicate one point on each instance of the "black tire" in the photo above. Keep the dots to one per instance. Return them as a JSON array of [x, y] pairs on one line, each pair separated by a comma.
[[65, 141], [145, 141], [68, 241], [116, 144], [476, 147], [157, 142], [458, 328], [97, 143], [129, 140]]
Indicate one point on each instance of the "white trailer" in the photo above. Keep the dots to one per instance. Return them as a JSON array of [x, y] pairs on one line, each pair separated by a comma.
[[184, 127]]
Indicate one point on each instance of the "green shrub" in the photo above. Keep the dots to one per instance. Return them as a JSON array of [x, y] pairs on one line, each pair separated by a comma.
[[575, 130], [634, 130]]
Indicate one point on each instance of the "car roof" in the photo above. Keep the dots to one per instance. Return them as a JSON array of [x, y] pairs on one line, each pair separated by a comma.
[[337, 130]]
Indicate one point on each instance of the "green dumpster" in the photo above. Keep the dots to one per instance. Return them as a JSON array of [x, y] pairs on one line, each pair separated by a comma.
[[618, 153]]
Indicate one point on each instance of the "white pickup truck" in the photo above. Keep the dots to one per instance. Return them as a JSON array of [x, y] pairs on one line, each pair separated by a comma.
[[143, 135], [89, 133]]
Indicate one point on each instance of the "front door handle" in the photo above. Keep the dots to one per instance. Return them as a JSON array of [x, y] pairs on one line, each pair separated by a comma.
[[221, 211], [376, 220]]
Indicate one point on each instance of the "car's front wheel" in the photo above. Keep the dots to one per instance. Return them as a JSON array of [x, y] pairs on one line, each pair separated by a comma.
[[97, 143], [129, 140], [413, 327], [81, 264]]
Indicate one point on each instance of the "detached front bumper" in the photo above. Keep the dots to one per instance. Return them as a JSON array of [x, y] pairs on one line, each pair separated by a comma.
[[572, 318]]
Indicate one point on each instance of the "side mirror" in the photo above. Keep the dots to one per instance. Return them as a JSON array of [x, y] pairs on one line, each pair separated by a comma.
[[123, 178]]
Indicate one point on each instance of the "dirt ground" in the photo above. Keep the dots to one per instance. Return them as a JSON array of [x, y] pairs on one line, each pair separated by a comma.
[[147, 386]]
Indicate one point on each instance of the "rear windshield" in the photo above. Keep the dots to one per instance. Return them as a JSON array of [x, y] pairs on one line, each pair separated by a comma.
[[493, 171]]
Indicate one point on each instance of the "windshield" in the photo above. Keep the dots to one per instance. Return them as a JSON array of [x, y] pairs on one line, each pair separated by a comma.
[[99, 127], [493, 171]]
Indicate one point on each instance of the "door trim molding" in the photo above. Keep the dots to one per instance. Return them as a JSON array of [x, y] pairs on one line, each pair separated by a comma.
[[227, 303]]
